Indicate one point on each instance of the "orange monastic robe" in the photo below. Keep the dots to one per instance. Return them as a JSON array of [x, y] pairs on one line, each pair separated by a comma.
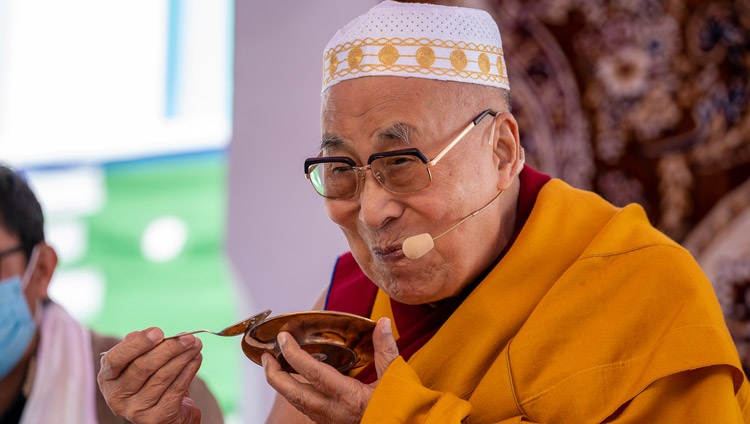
[[592, 316]]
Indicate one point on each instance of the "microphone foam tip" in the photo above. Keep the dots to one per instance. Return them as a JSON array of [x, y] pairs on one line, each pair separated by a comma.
[[415, 247]]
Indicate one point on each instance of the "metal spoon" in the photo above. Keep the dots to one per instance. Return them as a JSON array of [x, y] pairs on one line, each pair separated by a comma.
[[232, 330]]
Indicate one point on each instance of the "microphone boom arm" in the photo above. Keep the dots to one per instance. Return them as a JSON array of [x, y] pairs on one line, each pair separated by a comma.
[[473, 214]]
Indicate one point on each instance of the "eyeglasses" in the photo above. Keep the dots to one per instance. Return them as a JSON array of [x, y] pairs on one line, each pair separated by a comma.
[[398, 171]]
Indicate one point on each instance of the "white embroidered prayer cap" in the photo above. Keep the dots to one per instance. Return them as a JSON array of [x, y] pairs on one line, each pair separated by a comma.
[[418, 40]]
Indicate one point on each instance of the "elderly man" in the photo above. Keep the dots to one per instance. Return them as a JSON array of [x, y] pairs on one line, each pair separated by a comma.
[[501, 295], [48, 361]]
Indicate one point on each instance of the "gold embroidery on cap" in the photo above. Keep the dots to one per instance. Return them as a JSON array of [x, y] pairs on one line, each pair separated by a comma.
[[484, 63], [334, 64], [425, 56], [388, 55], [458, 60], [355, 57]]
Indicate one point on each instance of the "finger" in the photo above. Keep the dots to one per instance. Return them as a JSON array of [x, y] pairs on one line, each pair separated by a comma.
[[322, 376], [140, 369], [117, 359], [181, 385], [191, 413], [299, 394], [174, 405], [120, 391], [132, 346], [386, 349], [170, 382], [329, 397]]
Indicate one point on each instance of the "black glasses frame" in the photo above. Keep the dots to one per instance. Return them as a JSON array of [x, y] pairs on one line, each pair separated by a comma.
[[10, 251], [402, 152], [373, 157]]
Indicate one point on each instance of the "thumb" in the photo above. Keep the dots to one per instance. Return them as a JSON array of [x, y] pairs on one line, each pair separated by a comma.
[[385, 346], [191, 413]]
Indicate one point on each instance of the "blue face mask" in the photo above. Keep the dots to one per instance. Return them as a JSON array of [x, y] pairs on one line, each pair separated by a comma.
[[17, 326]]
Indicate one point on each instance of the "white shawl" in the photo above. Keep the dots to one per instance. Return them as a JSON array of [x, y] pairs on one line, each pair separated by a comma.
[[64, 385]]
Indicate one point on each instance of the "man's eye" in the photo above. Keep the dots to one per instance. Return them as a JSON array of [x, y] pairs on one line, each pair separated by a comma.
[[401, 161], [340, 168]]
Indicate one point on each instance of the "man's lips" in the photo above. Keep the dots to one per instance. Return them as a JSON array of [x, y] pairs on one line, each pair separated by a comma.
[[389, 252]]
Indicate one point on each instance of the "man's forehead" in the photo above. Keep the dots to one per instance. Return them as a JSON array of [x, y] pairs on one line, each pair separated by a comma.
[[388, 96], [370, 91]]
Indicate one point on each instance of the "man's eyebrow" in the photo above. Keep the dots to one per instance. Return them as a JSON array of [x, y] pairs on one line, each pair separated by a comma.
[[329, 141], [398, 131]]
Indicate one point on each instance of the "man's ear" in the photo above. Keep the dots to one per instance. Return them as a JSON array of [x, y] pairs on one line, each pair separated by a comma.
[[509, 155], [44, 269]]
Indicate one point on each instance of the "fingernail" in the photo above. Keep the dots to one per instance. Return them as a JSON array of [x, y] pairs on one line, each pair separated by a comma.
[[282, 338], [187, 341], [263, 360], [387, 326], [154, 334]]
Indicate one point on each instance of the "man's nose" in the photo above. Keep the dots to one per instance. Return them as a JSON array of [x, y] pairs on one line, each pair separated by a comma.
[[376, 204]]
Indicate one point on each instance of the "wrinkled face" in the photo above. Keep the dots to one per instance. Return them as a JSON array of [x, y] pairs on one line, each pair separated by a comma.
[[379, 114]]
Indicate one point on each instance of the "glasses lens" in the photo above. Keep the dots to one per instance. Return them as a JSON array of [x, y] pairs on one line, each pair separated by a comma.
[[334, 180], [401, 174]]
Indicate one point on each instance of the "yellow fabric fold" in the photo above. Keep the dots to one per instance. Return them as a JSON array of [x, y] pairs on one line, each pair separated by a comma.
[[589, 309], [420, 404]]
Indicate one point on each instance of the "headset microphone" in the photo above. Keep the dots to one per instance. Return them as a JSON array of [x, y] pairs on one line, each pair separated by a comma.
[[415, 247]]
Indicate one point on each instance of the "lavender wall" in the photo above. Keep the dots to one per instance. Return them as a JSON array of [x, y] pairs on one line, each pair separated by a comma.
[[280, 241]]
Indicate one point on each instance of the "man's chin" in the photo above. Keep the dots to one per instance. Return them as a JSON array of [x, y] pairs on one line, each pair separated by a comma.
[[413, 299], [406, 291]]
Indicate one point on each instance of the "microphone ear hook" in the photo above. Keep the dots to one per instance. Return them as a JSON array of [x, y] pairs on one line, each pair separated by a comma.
[[471, 215], [492, 134]]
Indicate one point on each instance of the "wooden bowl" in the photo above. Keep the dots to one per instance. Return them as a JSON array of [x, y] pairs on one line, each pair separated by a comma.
[[341, 340]]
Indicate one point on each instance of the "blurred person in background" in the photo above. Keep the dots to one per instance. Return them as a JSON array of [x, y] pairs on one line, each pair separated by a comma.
[[48, 360]]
